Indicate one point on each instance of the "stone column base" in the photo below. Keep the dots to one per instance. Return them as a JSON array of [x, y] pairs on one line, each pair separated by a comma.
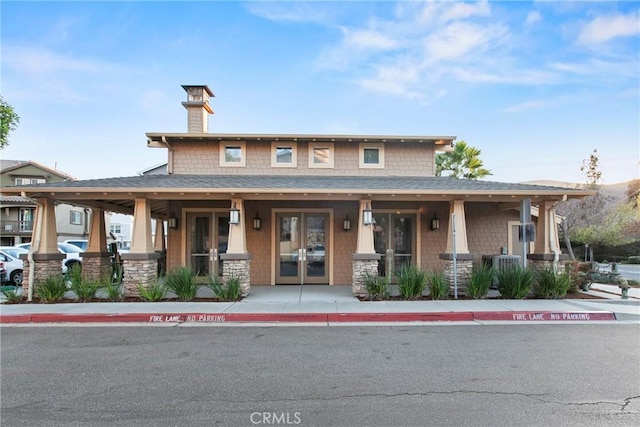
[[138, 270], [540, 262], [363, 265], [96, 265], [45, 265], [464, 264], [239, 266]]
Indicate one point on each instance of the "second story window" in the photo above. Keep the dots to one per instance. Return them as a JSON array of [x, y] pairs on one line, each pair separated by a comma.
[[76, 217], [115, 228], [27, 181], [371, 156], [284, 155], [320, 155], [233, 154]]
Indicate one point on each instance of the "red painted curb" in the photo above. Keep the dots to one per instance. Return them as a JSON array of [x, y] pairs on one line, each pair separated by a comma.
[[401, 317], [307, 317]]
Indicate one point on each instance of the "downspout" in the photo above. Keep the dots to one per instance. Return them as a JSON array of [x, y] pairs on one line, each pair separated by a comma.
[[35, 245], [553, 242]]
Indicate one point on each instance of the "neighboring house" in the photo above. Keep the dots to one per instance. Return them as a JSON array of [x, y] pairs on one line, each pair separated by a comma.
[[276, 209], [17, 215]]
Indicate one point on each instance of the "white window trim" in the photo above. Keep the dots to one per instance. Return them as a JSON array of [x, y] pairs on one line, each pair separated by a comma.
[[313, 146], [74, 214], [243, 148], [294, 154], [376, 145]]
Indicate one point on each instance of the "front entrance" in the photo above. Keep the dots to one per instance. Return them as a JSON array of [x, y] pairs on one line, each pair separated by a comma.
[[394, 239], [301, 245], [207, 238]]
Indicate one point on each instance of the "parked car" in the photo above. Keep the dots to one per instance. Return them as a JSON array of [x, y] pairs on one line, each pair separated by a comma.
[[82, 244], [72, 253], [3, 274], [10, 256]]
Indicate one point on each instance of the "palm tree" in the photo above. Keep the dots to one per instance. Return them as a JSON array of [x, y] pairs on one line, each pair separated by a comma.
[[462, 162]]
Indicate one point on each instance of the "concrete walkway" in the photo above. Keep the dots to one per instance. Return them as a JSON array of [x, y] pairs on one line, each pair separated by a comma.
[[329, 305]]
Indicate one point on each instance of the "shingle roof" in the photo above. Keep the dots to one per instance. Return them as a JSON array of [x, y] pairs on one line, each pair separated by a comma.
[[292, 182]]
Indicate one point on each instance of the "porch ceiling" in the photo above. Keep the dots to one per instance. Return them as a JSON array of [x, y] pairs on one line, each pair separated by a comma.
[[118, 194]]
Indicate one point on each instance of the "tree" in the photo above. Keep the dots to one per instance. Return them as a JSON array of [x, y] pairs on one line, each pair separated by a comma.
[[463, 162], [8, 122], [582, 217]]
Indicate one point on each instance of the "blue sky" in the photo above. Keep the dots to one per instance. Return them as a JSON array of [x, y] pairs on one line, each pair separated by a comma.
[[536, 85]]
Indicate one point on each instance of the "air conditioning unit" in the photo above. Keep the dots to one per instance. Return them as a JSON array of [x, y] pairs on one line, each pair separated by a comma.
[[501, 261]]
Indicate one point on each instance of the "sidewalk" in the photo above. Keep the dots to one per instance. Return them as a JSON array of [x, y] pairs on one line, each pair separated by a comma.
[[326, 306]]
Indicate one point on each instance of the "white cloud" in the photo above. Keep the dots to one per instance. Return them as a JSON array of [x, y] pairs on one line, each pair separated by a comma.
[[368, 39], [605, 28], [460, 38], [533, 18]]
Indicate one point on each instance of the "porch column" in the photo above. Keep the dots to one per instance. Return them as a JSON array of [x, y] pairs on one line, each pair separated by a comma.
[[141, 263], [547, 249], [96, 261], [47, 260], [236, 262], [365, 260], [464, 260]]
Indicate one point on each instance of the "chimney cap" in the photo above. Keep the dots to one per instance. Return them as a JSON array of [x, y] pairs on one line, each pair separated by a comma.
[[205, 87]]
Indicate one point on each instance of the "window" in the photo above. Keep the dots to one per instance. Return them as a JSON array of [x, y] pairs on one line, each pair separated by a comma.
[[320, 155], [371, 156], [76, 217], [26, 219], [284, 155], [233, 154], [115, 228], [27, 181]]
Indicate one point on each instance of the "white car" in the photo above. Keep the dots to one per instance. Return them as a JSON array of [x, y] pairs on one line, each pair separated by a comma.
[[10, 257], [72, 253]]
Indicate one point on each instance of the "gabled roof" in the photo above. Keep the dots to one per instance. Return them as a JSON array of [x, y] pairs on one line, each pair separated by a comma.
[[10, 165]]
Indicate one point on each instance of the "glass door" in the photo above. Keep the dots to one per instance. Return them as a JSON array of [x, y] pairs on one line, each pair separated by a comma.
[[394, 238], [208, 236], [301, 248]]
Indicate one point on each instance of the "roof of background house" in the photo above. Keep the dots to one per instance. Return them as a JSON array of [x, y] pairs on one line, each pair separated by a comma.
[[9, 165]]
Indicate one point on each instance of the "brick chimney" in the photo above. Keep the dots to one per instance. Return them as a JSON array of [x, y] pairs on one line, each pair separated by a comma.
[[198, 108]]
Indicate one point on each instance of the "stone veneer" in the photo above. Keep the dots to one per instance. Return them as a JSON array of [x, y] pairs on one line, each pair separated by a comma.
[[542, 261], [139, 269], [363, 265], [237, 265], [96, 264], [464, 264], [45, 265]]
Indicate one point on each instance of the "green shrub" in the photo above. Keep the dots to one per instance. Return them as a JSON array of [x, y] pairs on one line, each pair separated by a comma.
[[480, 281], [154, 292], [411, 281], [182, 282], [377, 287], [550, 285], [11, 296], [51, 289], [85, 288], [578, 274], [438, 285], [113, 290], [230, 291], [514, 282]]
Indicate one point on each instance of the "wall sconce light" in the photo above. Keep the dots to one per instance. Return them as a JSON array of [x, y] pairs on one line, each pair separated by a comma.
[[257, 222], [234, 215], [435, 223], [346, 224], [172, 222], [367, 216]]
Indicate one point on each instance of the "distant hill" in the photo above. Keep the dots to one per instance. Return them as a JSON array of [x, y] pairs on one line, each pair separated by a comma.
[[613, 193]]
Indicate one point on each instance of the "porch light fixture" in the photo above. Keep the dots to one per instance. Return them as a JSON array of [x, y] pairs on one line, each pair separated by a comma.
[[234, 215], [172, 222], [346, 224], [435, 223], [257, 222], [367, 216]]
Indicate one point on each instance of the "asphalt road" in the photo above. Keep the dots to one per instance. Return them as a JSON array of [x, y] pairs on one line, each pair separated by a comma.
[[502, 375], [628, 271]]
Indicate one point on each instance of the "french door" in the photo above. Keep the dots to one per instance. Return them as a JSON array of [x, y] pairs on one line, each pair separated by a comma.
[[302, 248], [394, 236], [207, 238]]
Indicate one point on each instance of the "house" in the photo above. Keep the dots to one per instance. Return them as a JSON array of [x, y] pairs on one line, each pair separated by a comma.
[[278, 209], [18, 213]]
